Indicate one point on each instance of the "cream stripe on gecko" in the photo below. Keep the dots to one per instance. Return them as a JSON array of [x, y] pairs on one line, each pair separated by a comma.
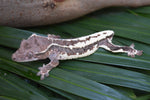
[[80, 42], [39, 47]]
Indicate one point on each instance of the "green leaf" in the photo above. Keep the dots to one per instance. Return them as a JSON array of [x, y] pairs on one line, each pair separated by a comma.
[[145, 97], [65, 81], [15, 88], [109, 75], [94, 77]]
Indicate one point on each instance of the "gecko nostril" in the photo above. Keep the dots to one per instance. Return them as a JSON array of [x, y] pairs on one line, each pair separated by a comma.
[[13, 58]]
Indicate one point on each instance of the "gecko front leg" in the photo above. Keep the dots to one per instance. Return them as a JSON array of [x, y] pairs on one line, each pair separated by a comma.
[[44, 71]]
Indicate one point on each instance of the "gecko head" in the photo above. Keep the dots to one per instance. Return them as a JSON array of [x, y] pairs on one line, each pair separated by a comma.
[[25, 52], [29, 47]]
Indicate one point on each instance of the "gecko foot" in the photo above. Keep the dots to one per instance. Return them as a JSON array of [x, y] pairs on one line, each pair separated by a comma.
[[44, 71], [132, 52]]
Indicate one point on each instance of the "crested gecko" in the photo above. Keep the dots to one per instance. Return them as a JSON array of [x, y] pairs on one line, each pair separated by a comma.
[[38, 47]]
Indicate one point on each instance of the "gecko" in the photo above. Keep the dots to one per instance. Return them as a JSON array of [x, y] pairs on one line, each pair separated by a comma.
[[38, 47]]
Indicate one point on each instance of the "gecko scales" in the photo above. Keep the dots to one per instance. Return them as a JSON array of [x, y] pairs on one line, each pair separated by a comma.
[[38, 47]]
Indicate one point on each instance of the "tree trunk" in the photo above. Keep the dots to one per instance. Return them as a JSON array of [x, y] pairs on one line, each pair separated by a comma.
[[25, 13]]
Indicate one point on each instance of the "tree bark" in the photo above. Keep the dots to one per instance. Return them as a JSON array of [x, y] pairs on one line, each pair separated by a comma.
[[26, 13]]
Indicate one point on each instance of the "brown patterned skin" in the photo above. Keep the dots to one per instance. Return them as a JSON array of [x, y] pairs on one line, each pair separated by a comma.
[[53, 47], [26, 13]]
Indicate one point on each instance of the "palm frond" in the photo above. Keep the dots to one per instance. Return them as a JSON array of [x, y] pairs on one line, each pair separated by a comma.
[[101, 76]]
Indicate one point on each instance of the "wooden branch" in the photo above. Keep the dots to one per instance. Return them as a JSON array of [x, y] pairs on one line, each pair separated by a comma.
[[25, 13]]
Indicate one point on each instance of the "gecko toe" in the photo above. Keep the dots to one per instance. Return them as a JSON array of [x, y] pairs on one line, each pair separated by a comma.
[[134, 52], [46, 74], [133, 56], [139, 53], [42, 77], [39, 73], [40, 68]]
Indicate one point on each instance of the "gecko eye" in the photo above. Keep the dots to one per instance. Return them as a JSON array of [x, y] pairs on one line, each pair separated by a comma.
[[27, 45], [30, 55]]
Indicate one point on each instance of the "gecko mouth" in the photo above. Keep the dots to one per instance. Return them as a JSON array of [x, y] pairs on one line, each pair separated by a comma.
[[14, 58], [21, 58]]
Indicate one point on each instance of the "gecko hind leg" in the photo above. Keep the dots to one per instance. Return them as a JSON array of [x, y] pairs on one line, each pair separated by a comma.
[[44, 71], [130, 50]]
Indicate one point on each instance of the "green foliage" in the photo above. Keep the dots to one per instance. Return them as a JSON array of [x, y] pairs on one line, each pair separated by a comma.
[[101, 76]]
